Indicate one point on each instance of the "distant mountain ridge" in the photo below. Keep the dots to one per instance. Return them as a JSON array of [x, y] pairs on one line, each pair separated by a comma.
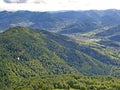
[[81, 21]]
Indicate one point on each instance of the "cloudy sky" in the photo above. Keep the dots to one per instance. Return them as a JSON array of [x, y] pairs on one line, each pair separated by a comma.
[[55, 5]]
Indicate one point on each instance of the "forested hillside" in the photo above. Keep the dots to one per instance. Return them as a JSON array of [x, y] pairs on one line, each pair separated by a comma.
[[26, 55]]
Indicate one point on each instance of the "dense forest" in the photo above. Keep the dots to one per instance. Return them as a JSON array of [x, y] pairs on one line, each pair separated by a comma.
[[62, 82], [33, 59]]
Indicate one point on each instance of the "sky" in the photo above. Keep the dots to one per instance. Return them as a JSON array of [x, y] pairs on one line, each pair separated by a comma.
[[56, 5]]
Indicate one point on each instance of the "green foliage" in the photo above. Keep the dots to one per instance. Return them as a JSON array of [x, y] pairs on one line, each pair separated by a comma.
[[67, 82], [37, 59]]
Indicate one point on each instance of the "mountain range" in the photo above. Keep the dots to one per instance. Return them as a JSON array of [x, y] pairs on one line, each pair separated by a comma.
[[43, 46], [83, 21], [91, 22]]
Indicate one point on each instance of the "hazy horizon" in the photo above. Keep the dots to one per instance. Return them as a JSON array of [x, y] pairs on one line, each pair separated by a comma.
[[58, 5]]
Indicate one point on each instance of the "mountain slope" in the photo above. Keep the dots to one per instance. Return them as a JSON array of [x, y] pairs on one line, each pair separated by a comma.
[[44, 53], [30, 53], [29, 49]]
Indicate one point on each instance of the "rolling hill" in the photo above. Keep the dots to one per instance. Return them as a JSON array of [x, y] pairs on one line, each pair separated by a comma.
[[32, 53], [53, 53], [22, 44]]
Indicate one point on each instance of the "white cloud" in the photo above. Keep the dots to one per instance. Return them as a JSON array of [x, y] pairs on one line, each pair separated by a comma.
[[15, 1], [23, 1], [53, 5]]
